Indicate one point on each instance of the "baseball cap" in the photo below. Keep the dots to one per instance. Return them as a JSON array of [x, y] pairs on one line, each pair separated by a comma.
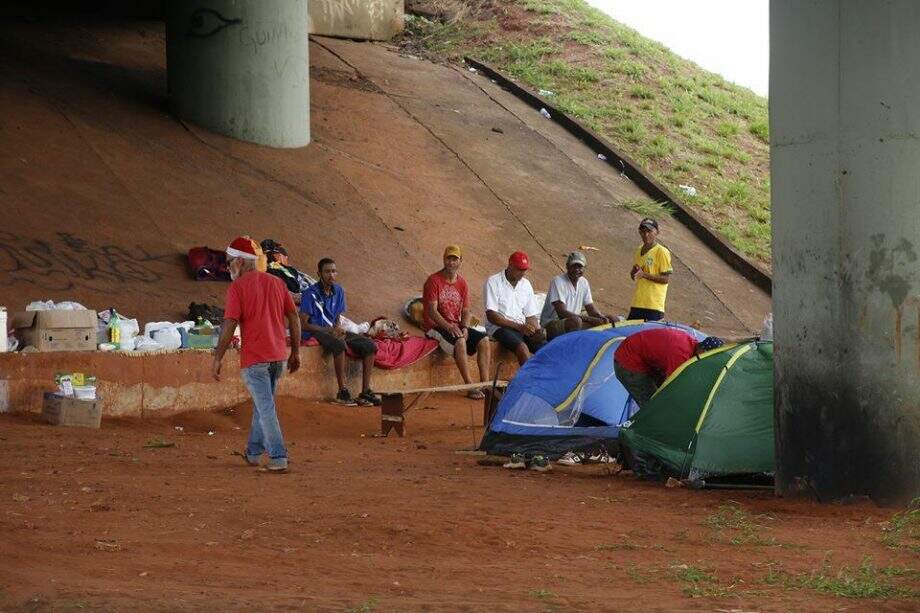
[[519, 260], [649, 223], [453, 250], [576, 257]]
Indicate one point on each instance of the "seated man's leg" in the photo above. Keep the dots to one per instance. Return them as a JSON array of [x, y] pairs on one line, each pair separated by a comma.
[[336, 346], [555, 328], [536, 340], [512, 340], [451, 345], [365, 348], [478, 343], [640, 386]]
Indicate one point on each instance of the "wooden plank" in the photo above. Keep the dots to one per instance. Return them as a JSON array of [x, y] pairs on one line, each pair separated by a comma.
[[447, 388]]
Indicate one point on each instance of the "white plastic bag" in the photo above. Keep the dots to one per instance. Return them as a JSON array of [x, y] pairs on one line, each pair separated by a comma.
[[766, 333], [350, 326], [40, 305], [145, 343]]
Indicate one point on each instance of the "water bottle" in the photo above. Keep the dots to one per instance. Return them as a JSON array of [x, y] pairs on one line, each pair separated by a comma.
[[767, 332], [114, 328], [4, 333]]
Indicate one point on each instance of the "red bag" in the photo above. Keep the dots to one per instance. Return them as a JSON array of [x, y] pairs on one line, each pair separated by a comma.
[[208, 264]]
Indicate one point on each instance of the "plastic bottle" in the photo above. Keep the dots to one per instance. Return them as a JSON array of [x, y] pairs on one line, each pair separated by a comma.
[[767, 332], [114, 328], [4, 334]]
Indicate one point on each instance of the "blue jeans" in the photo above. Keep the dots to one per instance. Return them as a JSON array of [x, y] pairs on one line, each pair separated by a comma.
[[265, 432]]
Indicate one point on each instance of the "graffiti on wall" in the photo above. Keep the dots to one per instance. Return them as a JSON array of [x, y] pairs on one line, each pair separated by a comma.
[[67, 262], [205, 22]]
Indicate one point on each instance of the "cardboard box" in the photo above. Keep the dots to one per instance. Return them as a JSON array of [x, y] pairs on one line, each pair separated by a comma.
[[56, 330], [66, 411]]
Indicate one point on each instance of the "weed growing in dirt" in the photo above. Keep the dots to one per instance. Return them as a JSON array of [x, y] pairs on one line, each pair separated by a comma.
[[618, 547], [904, 528], [648, 208], [739, 525], [867, 581], [698, 582], [637, 575], [367, 606], [541, 594], [683, 124]]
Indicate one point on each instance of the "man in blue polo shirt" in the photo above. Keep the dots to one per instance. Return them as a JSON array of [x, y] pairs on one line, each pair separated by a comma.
[[321, 308]]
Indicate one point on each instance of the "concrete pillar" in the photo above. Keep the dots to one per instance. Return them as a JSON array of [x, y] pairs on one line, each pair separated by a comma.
[[845, 157], [363, 19], [241, 68]]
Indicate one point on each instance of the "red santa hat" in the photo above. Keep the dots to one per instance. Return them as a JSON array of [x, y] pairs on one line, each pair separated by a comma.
[[243, 247]]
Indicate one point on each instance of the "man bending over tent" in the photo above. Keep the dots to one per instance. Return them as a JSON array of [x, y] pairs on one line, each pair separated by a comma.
[[645, 359]]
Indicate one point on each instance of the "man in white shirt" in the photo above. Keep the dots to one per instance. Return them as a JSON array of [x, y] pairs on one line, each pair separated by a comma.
[[569, 294], [512, 315]]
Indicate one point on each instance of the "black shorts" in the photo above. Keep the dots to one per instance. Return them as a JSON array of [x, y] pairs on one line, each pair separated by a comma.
[[473, 336], [510, 339], [646, 314], [361, 346]]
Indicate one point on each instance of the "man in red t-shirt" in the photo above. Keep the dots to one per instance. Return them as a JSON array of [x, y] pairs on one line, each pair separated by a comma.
[[260, 304], [645, 359], [447, 318]]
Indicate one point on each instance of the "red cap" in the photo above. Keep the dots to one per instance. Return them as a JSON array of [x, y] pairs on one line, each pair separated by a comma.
[[519, 260]]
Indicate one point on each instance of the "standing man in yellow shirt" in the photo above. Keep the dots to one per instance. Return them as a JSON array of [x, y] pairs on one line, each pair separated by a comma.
[[651, 271]]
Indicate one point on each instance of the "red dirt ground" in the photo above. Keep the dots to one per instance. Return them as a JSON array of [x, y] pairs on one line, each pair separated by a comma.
[[395, 524]]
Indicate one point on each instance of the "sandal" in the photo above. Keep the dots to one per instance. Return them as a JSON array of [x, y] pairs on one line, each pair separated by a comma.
[[475, 395]]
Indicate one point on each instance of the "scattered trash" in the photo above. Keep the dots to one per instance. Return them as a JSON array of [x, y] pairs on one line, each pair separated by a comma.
[[107, 546], [546, 92], [86, 489], [210, 432], [688, 189], [471, 69], [498, 130], [158, 443], [143, 574], [545, 113], [400, 228], [180, 429], [587, 248], [672, 482], [602, 157]]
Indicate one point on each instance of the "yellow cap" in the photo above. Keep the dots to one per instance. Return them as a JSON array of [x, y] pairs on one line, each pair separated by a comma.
[[453, 250]]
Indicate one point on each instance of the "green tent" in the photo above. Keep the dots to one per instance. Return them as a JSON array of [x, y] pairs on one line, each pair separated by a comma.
[[712, 417]]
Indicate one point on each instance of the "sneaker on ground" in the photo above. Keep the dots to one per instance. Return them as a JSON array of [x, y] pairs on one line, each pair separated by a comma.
[[278, 465], [344, 398], [570, 459], [600, 458], [369, 398], [517, 461], [540, 464], [249, 459]]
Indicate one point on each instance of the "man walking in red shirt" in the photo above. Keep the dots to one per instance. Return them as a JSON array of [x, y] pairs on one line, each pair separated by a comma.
[[447, 318], [645, 359], [259, 303]]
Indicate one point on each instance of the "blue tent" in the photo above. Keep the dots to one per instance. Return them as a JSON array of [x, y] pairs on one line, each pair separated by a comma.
[[566, 397]]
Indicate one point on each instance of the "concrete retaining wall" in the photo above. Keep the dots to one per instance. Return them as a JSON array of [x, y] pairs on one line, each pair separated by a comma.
[[363, 19], [169, 383]]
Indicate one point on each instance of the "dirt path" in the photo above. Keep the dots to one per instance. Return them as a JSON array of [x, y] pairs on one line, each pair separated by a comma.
[[93, 519]]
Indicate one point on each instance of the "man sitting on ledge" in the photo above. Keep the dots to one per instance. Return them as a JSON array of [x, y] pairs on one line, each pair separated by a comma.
[[321, 309]]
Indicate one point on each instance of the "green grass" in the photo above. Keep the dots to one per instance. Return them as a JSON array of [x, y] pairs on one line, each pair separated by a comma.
[[733, 522], [865, 582], [683, 124], [903, 530], [698, 582], [541, 594], [648, 208]]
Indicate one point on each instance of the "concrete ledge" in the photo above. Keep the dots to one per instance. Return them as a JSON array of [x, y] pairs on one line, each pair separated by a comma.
[[360, 19], [146, 385]]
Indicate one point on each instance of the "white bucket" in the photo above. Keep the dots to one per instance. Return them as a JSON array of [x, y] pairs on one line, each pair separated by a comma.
[[4, 334], [84, 392]]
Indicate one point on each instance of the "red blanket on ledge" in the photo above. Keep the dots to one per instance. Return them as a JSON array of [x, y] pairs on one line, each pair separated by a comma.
[[394, 353]]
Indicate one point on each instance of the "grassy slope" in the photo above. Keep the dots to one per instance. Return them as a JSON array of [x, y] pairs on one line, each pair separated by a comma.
[[683, 124]]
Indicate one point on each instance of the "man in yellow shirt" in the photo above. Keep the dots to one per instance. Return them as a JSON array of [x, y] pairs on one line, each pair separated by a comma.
[[651, 271]]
